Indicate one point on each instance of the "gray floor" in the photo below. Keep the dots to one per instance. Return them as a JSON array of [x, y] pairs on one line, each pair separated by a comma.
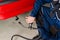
[[10, 27]]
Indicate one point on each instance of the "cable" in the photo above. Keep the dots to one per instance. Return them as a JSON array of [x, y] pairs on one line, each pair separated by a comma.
[[35, 38], [19, 36], [30, 27]]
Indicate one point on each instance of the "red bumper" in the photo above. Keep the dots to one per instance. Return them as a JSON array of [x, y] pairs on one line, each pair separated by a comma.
[[15, 8]]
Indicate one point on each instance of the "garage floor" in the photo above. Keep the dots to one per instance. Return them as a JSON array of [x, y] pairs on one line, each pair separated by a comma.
[[10, 27]]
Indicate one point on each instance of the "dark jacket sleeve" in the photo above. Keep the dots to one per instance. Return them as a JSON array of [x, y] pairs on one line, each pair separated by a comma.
[[37, 6], [48, 1]]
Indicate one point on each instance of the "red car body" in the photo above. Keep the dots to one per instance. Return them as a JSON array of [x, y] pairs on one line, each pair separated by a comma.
[[11, 9]]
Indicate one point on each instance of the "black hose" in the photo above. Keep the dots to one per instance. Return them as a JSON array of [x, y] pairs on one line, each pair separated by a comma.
[[30, 27], [19, 36], [34, 38]]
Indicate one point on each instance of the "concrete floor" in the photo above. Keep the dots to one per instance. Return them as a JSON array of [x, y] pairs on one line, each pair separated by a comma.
[[10, 27]]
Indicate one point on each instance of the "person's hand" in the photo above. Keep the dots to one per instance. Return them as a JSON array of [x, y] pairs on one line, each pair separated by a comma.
[[30, 19]]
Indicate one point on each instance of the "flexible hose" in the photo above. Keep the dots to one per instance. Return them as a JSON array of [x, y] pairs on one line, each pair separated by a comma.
[[16, 35]]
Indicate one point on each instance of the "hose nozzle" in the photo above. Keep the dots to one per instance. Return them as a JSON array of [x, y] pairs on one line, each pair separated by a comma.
[[30, 26]]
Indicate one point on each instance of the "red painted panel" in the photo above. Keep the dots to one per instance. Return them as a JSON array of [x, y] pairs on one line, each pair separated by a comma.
[[1, 0], [15, 8]]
